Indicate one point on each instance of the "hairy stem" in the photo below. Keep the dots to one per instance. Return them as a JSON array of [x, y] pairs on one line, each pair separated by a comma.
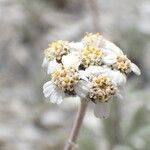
[[77, 125]]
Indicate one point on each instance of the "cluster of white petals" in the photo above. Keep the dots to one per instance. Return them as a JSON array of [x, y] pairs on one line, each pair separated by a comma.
[[94, 69]]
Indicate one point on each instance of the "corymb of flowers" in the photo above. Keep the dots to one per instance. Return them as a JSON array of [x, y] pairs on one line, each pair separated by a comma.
[[94, 69]]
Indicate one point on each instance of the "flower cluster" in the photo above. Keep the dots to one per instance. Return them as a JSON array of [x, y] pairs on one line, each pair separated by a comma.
[[94, 69]]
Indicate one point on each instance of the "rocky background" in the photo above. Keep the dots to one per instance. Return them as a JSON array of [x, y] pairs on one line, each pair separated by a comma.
[[27, 120]]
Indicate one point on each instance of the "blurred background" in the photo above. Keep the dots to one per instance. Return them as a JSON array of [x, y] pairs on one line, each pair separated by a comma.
[[27, 120]]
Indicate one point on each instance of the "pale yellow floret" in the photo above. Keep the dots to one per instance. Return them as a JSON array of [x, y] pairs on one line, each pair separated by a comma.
[[57, 49], [66, 78], [92, 39], [102, 89], [122, 64], [91, 55]]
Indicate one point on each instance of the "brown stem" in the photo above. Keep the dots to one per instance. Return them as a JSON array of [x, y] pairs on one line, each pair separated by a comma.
[[77, 125]]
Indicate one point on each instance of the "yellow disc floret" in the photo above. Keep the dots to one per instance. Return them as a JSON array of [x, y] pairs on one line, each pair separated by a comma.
[[122, 64], [91, 55], [57, 49], [102, 89], [66, 78], [92, 39]]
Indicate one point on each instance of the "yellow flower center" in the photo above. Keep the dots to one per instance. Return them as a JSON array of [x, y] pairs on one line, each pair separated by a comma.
[[102, 89], [123, 64], [56, 49], [91, 55], [92, 39], [66, 78]]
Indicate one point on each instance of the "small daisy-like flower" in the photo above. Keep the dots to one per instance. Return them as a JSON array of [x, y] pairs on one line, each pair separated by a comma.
[[93, 39], [90, 55], [54, 53], [122, 63], [104, 85], [102, 89], [66, 80], [101, 93], [56, 50]]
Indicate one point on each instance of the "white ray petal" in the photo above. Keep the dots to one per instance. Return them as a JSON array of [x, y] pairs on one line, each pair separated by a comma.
[[121, 93], [54, 93], [83, 75], [52, 86], [54, 97], [76, 45], [82, 88], [102, 110], [52, 66], [118, 77], [70, 60], [135, 69], [48, 89], [95, 70], [47, 84], [109, 60], [45, 62], [112, 47], [107, 52], [60, 96]]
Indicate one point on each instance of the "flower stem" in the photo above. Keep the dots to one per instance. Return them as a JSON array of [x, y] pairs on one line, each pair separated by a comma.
[[77, 125]]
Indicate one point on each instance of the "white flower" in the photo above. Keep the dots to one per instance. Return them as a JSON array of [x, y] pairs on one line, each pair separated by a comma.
[[57, 94], [121, 63], [105, 84], [102, 90], [57, 50], [90, 55], [93, 40], [66, 80]]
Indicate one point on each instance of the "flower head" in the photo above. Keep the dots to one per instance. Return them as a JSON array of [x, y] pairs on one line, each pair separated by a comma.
[[66, 79], [91, 55], [102, 89], [94, 69], [122, 63], [93, 39], [56, 50]]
